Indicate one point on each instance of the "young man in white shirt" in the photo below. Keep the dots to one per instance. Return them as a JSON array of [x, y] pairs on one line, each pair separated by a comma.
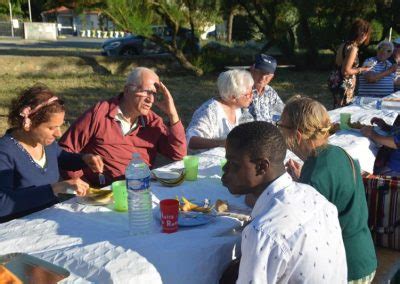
[[294, 235]]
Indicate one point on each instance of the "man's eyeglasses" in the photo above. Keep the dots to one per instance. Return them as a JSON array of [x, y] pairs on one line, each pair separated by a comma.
[[386, 50], [137, 90], [280, 125]]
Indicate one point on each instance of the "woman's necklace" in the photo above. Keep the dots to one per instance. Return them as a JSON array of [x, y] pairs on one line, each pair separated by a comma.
[[36, 152]]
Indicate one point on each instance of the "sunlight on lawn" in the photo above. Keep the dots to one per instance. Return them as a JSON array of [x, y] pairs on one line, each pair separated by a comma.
[[80, 90]]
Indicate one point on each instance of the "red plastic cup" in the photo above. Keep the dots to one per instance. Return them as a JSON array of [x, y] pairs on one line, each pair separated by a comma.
[[169, 215]]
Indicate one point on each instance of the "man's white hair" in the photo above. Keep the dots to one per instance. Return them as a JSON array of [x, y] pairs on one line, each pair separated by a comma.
[[234, 83], [385, 43], [136, 76]]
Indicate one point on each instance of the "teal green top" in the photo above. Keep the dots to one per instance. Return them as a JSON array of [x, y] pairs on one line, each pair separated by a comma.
[[331, 173]]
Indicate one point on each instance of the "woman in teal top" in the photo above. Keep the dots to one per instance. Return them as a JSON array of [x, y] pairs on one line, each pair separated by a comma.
[[305, 124]]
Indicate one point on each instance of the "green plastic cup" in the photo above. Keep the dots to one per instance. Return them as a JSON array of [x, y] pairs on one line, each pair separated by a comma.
[[120, 195], [191, 167], [345, 119], [222, 163]]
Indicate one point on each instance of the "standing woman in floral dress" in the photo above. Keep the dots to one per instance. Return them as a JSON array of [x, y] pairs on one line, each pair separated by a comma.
[[347, 61]]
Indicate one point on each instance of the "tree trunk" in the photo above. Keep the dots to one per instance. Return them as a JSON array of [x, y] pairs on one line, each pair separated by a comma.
[[185, 63], [178, 54], [229, 26]]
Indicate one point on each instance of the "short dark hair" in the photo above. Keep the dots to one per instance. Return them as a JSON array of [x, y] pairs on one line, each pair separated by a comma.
[[32, 97], [259, 139]]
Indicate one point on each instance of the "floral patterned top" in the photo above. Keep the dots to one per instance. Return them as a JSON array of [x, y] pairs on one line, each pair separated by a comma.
[[264, 106]]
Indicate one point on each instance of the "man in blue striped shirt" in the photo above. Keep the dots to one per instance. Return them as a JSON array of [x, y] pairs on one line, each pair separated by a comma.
[[395, 58], [379, 81]]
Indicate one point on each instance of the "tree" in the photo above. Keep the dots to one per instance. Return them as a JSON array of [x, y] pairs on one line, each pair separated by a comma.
[[276, 20], [138, 17], [15, 6], [231, 8]]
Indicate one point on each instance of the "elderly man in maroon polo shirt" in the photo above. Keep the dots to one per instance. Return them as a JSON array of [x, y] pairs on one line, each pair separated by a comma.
[[120, 126]]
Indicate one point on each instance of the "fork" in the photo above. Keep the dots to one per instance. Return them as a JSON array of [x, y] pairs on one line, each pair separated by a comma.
[[102, 179]]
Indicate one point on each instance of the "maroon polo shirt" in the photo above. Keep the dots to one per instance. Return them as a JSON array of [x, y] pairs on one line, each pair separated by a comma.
[[97, 132]]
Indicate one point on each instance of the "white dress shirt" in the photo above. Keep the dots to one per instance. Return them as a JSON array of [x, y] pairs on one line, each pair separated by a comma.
[[210, 121], [125, 124], [295, 237]]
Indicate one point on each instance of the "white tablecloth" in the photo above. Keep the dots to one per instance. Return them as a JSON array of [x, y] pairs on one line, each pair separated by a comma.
[[358, 146], [94, 245]]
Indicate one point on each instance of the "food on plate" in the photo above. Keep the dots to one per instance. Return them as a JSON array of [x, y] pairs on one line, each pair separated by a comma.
[[6, 276], [356, 125], [99, 195], [189, 206], [221, 205], [172, 178], [97, 191]]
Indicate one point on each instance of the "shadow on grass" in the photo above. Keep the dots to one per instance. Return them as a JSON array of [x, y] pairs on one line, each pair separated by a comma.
[[49, 52], [78, 100]]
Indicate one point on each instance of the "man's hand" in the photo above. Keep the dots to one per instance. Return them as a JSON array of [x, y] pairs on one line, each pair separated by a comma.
[[94, 162], [167, 105]]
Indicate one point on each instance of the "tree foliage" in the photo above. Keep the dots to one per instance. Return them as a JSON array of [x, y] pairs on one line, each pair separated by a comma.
[[15, 6], [138, 17]]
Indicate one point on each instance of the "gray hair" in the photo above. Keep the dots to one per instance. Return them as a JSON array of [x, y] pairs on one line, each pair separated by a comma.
[[234, 83], [135, 77], [385, 43]]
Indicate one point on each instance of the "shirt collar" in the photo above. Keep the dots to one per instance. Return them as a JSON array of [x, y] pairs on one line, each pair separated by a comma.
[[114, 110], [276, 186], [256, 93], [114, 106]]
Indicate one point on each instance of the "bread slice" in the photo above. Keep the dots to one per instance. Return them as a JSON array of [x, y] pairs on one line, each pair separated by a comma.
[[221, 206]]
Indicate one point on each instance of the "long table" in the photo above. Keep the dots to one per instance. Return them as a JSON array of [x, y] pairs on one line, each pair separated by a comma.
[[92, 242], [359, 147]]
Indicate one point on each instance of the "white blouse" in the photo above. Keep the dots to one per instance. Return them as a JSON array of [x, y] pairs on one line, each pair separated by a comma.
[[295, 237], [210, 121]]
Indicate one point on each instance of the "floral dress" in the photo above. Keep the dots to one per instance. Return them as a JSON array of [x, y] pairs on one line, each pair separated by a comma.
[[346, 92]]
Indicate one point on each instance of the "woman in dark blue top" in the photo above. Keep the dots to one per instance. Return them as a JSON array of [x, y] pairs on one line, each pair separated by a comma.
[[30, 156]]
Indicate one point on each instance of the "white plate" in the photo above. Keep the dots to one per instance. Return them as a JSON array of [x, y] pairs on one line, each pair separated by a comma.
[[85, 200], [166, 174], [89, 201], [189, 219]]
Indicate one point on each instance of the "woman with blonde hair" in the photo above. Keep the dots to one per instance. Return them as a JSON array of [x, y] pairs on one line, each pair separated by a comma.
[[305, 124]]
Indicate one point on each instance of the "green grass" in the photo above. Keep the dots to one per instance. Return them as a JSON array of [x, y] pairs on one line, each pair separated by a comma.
[[80, 85]]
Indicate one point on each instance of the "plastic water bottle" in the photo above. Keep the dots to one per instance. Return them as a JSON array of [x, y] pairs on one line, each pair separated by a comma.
[[246, 116], [139, 197]]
